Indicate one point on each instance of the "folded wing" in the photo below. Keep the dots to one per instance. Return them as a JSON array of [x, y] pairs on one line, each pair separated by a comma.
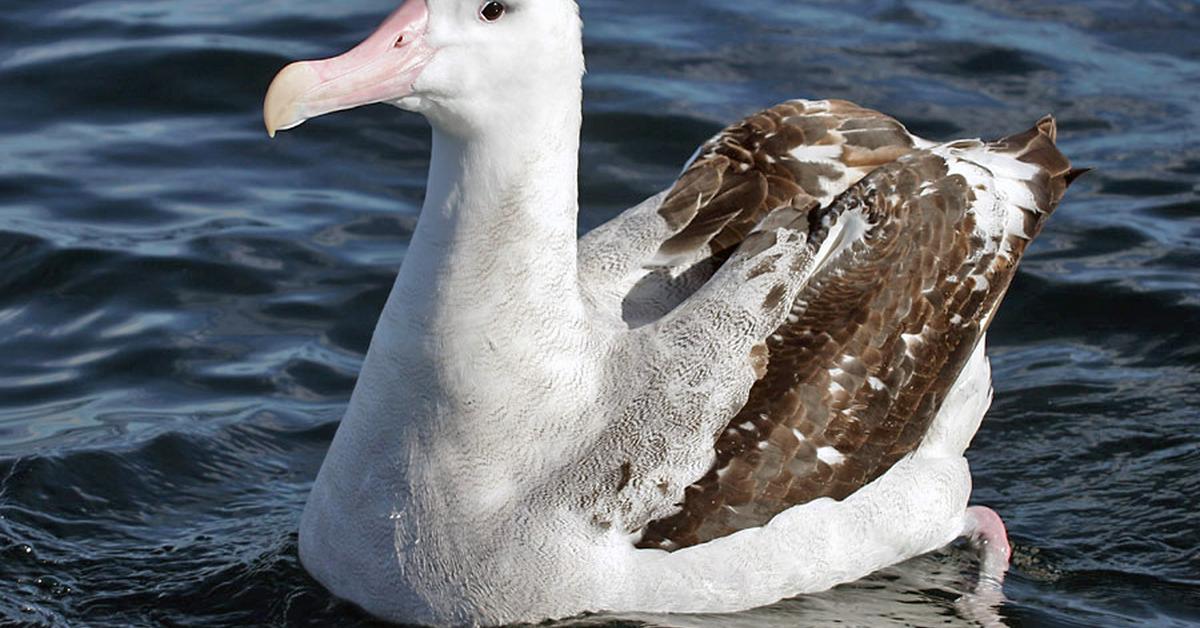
[[915, 260], [796, 156]]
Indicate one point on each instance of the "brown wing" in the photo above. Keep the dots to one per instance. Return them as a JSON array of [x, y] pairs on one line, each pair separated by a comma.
[[878, 336], [799, 153]]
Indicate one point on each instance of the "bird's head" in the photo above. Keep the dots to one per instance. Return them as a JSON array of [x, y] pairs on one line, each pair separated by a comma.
[[463, 64]]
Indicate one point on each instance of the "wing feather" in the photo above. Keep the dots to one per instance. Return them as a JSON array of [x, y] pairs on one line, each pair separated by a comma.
[[792, 154], [918, 256], [757, 174]]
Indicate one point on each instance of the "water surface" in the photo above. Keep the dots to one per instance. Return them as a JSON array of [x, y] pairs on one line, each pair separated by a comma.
[[184, 304]]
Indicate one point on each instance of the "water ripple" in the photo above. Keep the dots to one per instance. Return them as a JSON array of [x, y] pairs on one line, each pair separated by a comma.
[[184, 305]]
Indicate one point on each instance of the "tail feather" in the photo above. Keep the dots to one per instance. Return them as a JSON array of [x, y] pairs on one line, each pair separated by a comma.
[[1037, 147], [1075, 173]]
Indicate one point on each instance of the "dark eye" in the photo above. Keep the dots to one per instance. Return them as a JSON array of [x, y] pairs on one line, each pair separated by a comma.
[[492, 11]]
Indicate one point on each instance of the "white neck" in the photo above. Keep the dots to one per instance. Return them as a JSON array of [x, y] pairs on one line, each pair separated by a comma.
[[487, 302], [499, 222]]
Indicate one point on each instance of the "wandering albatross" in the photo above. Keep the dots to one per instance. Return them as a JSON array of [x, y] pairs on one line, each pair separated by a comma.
[[757, 384]]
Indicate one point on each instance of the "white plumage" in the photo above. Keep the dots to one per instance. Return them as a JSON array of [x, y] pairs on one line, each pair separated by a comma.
[[532, 405]]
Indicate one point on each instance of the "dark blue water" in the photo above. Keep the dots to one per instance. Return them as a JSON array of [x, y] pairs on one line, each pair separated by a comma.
[[184, 304]]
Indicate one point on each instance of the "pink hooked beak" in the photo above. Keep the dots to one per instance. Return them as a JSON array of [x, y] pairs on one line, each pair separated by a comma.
[[382, 68]]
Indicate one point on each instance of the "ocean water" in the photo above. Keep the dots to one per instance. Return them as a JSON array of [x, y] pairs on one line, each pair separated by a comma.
[[184, 304]]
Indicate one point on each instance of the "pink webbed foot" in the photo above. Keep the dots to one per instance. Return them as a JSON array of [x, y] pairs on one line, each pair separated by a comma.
[[987, 534]]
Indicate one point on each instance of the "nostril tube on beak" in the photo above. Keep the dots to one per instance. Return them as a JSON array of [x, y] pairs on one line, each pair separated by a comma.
[[373, 71]]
